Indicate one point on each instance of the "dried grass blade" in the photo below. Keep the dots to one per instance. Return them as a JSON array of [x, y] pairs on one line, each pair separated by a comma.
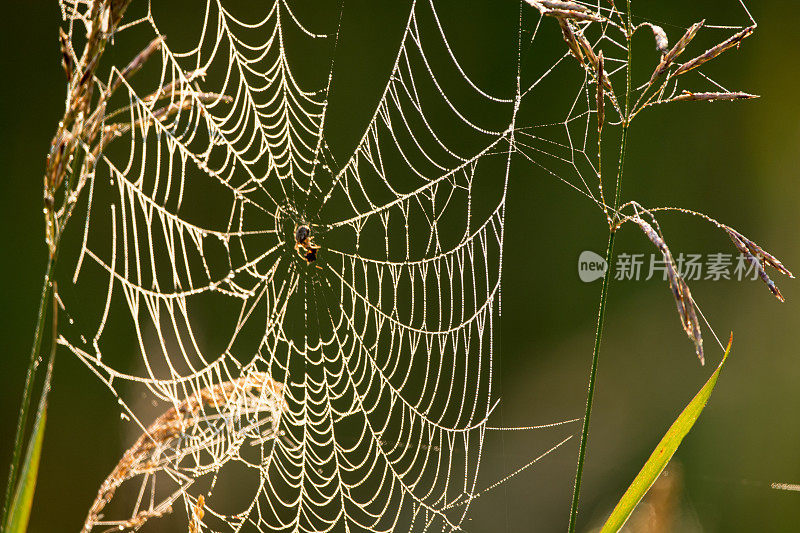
[[594, 62], [574, 15]]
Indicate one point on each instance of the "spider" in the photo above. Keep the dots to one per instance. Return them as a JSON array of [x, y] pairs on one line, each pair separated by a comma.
[[305, 246]]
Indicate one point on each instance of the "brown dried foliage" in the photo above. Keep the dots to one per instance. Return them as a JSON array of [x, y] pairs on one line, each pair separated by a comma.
[[713, 52], [140, 458], [680, 46], [680, 290], [758, 257], [83, 133], [565, 10], [197, 515], [80, 124], [687, 96]]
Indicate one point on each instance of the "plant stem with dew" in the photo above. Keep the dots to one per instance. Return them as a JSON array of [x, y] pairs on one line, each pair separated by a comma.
[[604, 290], [26, 394]]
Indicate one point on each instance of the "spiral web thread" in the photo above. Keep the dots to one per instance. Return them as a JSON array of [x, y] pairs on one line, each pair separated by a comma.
[[382, 349]]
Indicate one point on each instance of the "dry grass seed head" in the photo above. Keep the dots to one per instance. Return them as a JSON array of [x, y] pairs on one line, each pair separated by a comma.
[[713, 52], [556, 4], [687, 96], [757, 257], [569, 38], [579, 46], [66, 57], [680, 290], [197, 515], [567, 10], [680, 46], [254, 392]]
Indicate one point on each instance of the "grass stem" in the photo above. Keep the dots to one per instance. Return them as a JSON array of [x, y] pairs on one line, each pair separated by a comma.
[[26, 394], [609, 257]]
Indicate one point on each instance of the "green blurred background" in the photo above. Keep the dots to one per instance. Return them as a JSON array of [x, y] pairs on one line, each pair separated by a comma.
[[737, 162]]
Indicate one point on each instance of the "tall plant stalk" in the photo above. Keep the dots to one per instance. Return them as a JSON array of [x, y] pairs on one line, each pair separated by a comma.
[[66, 161], [609, 257], [26, 392]]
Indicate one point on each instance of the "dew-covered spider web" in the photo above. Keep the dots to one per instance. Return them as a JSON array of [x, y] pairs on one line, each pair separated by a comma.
[[349, 393]]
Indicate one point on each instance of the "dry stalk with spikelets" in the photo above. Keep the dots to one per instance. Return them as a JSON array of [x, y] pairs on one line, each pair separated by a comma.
[[754, 254], [195, 524], [758, 257], [647, 99], [687, 311], [156, 449], [669, 57], [585, 30], [713, 52], [86, 128], [687, 96], [575, 20], [565, 10], [83, 116]]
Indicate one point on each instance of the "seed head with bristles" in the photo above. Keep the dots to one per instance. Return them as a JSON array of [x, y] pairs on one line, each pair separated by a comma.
[[713, 52], [680, 290], [687, 96], [680, 46], [758, 257]]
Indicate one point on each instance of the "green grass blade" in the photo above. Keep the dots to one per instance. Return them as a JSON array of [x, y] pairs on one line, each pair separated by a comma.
[[16, 521], [663, 452], [23, 417], [20, 510]]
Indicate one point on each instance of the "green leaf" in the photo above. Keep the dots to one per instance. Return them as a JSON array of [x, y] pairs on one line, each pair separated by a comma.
[[663, 453], [20, 510]]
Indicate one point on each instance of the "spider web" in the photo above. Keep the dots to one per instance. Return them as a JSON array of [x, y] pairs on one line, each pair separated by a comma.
[[352, 393]]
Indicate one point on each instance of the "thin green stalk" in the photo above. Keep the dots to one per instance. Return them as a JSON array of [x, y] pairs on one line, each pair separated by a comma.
[[592, 374], [26, 394], [573, 515], [79, 98], [19, 510]]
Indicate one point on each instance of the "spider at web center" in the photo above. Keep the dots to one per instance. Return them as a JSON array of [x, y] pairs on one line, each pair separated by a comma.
[[305, 246]]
